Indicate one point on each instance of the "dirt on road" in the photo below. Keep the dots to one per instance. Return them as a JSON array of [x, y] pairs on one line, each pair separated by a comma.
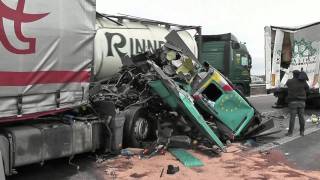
[[237, 163]]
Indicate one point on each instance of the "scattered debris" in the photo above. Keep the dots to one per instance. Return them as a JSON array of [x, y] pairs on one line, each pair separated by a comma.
[[250, 143], [314, 119], [172, 169], [181, 141], [239, 164], [161, 172], [138, 176], [172, 100], [127, 153], [185, 158]]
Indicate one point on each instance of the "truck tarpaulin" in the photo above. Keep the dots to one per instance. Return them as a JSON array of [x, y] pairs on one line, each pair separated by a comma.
[[46, 54]]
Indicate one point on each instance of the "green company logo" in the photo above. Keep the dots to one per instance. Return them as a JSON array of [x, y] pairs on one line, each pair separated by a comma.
[[303, 53]]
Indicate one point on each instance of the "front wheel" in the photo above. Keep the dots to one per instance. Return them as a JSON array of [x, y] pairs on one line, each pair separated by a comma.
[[137, 128]]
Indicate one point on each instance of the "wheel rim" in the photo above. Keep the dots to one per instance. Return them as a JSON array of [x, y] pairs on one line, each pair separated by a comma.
[[141, 129]]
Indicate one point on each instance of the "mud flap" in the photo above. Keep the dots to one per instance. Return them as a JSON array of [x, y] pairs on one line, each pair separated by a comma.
[[2, 175]]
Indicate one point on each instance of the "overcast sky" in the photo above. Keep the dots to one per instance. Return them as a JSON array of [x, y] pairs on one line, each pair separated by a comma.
[[244, 18]]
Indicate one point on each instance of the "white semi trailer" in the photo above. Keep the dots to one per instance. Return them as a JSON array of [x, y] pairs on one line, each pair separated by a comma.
[[288, 49]]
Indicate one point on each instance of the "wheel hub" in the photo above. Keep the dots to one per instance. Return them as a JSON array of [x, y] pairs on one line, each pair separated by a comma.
[[141, 128]]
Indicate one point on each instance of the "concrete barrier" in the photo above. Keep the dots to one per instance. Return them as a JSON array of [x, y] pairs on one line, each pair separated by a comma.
[[258, 89]]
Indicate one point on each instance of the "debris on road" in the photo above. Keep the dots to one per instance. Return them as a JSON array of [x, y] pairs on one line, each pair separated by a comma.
[[185, 158], [314, 119], [250, 143], [161, 172], [172, 169], [236, 165]]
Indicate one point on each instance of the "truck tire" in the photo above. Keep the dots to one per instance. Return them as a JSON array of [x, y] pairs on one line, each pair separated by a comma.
[[313, 103], [137, 127]]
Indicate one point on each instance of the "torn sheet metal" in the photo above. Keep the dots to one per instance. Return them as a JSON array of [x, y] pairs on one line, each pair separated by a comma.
[[170, 79], [185, 102], [229, 107], [216, 96]]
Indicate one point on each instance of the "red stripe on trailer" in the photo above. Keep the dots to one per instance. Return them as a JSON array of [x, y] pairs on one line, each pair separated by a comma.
[[42, 77]]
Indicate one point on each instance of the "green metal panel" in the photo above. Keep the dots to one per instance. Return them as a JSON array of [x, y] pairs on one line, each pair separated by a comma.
[[213, 53], [162, 91], [235, 112], [185, 157], [194, 114], [172, 94]]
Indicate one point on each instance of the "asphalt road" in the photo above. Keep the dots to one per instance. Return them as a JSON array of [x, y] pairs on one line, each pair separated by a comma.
[[304, 152], [263, 103], [301, 152], [60, 170]]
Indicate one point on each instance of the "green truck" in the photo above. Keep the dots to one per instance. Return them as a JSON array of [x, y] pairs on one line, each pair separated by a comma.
[[231, 58]]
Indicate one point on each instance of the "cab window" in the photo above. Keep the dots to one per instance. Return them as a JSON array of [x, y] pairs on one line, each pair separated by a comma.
[[244, 61], [212, 92]]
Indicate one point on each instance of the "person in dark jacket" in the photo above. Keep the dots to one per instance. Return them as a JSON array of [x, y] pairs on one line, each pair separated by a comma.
[[297, 95]]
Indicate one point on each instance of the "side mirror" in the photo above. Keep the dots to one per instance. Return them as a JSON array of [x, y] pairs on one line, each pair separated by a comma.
[[250, 60], [235, 45]]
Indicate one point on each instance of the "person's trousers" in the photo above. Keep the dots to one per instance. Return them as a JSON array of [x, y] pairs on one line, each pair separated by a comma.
[[296, 107]]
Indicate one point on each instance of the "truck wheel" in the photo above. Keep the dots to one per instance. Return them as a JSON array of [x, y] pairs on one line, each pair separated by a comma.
[[137, 127], [313, 103]]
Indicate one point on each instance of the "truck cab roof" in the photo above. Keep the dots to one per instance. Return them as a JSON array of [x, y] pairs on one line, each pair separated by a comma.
[[220, 37]]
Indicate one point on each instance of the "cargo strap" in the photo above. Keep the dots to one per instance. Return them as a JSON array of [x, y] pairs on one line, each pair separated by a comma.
[[19, 105], [58, 100], [83, 91]]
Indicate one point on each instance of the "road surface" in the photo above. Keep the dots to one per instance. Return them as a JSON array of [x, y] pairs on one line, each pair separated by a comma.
[[303, 152]]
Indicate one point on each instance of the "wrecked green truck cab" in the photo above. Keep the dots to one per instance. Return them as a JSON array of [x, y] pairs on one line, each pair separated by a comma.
[[175, 91], [178, 99], [216, 97]]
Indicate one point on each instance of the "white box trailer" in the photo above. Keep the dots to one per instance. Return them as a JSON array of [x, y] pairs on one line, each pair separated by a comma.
[[292, 48], [46, 52]]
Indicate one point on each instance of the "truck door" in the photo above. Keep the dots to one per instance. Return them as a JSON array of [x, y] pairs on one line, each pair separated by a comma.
[[241, 66], [230, 108]]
